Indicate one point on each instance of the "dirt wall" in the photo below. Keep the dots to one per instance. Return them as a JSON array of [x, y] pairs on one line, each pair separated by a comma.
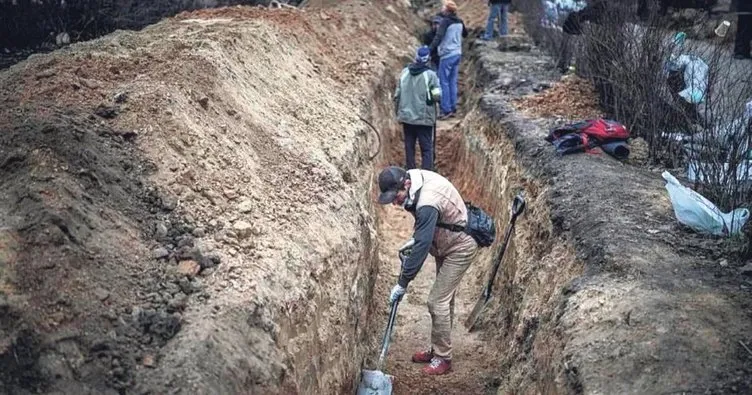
[[607, 294], [210, 229]]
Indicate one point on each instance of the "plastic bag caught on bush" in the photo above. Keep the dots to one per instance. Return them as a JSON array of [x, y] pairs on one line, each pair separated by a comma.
[[699, 213]]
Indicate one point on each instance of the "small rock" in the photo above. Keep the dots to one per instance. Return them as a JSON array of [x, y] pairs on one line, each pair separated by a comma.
[[189, 268], [185, 253], [204, 102], [199, 232], [106, 112], [185, 286], [160, 253], [161, 231], [242, 228], [148, 361], [245, 206], [178, 302], [46, 74], [101, 294], [185, 241], [653, 231], [169, 203], [723, 263], [230, 194]]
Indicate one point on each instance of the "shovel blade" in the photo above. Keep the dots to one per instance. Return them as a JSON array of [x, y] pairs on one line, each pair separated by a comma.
[[477, 311], [375, 382]]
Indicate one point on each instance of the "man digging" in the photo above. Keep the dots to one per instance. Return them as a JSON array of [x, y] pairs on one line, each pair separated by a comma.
[[441, 217]]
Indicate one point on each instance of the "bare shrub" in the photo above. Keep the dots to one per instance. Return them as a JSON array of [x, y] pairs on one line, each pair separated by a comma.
[[628, 60]]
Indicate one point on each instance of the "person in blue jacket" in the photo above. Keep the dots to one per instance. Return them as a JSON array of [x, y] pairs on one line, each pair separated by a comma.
[[448, 41]]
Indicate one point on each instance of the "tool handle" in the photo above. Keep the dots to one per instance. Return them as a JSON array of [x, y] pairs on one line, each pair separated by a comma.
[[518, 207], [404, 252], [388, 334]]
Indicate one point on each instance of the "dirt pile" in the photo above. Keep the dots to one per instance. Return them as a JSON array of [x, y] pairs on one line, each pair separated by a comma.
[[184, 207], [571, 98]]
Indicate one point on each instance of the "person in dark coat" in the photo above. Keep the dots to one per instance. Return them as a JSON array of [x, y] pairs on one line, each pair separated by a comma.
[[428, 39]]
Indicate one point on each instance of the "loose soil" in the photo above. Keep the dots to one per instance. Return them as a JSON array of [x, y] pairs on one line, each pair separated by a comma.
[[183, 207]]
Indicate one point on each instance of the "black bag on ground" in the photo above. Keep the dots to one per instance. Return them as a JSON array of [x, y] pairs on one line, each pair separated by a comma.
[[480, 226]]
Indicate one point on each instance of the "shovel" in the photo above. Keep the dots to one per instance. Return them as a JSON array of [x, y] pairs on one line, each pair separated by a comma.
[[376, 382], [518, 206]]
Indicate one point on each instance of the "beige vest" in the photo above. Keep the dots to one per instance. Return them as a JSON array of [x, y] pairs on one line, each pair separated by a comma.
[[437, 192]]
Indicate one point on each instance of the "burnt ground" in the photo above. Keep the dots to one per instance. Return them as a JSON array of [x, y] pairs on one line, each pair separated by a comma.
[[658, 309]]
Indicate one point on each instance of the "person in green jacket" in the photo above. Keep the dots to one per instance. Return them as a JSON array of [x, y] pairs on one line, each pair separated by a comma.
[[415, 100]]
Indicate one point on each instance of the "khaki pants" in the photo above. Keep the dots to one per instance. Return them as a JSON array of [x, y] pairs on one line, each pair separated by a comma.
[[449, 272]]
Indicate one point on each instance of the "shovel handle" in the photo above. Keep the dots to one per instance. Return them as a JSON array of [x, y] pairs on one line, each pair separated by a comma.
[[518, 207], [403, 254], [388, 334]]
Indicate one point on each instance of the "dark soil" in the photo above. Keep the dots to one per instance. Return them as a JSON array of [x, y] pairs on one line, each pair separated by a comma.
[[72, 190]]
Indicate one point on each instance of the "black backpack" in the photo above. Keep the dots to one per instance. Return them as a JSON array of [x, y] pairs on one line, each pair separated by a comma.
[[480, 226]]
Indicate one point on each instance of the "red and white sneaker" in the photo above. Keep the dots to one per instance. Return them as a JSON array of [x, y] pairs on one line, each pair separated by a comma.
[[423, 356], [438, 366]]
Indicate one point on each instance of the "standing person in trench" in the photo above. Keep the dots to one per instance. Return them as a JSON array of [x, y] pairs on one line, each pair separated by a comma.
[[414, 99], [439, 210], [428, 39], [448, 41]]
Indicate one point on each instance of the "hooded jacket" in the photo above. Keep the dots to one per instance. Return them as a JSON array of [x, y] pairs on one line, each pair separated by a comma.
[[417, 91], [449, 36], [433, 199]]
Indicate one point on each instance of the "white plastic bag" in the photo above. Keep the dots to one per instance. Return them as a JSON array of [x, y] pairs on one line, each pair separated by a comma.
[[700, 214]]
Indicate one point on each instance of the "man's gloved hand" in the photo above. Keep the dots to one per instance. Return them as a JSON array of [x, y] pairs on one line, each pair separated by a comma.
[[397, 293], [408, 245]]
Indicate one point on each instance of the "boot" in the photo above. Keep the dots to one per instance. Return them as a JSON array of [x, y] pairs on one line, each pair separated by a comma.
[[438, 366]]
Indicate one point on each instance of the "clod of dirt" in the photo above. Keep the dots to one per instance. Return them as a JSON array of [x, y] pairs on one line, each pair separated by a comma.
[[121, 97], [242, 229], [189, 268], [101, 294], [105, 111], [149, 361], [199, 232], [158, 323], [245, 206], [46, 74], [160, 253], [160, 231], [204, 102]]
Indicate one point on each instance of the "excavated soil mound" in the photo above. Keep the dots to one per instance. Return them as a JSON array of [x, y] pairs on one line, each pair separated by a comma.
[[183, 207]]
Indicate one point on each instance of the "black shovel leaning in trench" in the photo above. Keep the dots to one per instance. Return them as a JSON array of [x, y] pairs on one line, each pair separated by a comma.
[[518, 206], [376, 382]]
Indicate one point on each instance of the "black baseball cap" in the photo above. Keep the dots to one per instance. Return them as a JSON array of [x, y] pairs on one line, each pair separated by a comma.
[[391, 180]]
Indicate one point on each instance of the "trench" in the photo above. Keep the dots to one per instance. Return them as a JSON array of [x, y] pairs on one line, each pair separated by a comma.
[[517, 347], [268, 318]]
